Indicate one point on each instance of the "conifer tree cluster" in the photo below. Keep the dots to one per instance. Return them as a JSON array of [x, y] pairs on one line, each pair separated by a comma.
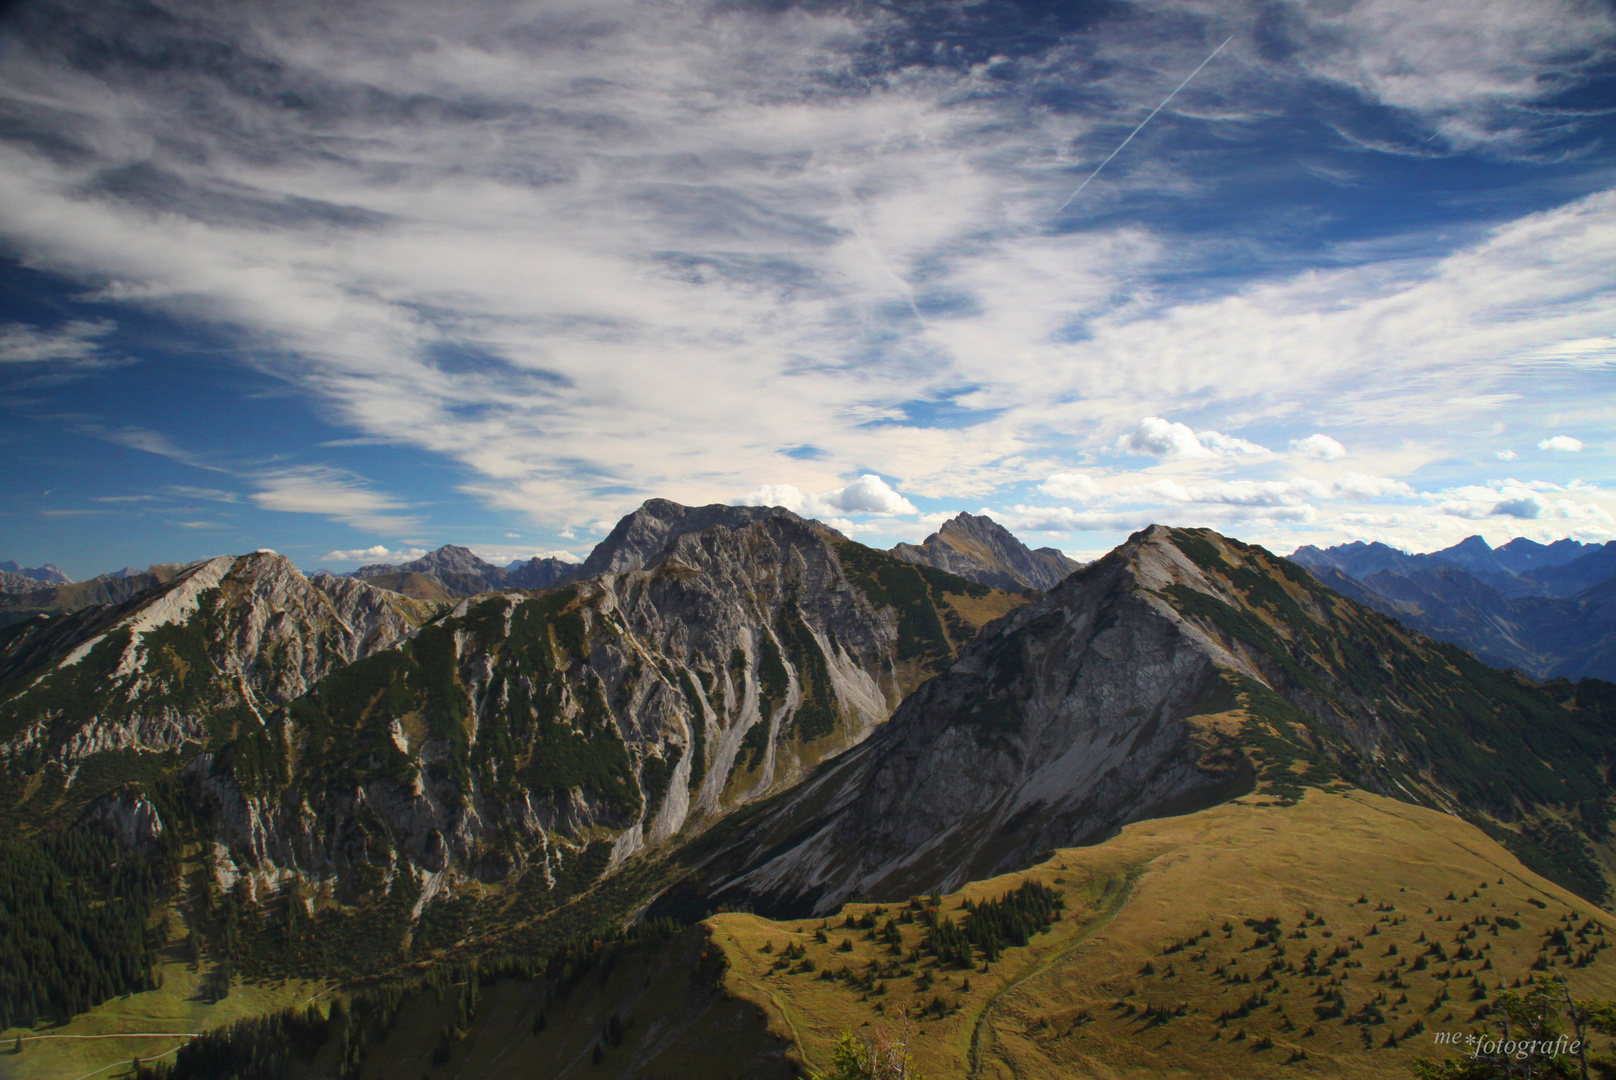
[[993, 926], [257, 1048], [73, 914]]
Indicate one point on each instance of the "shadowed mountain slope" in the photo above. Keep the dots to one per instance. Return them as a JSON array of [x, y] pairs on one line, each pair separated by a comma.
[[1176, 671]]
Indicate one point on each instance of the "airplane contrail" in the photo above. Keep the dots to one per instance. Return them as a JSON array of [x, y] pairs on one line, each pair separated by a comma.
[[1142, 124]]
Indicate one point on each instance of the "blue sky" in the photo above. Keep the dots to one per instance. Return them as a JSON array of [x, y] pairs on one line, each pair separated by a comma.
[[352, 281]]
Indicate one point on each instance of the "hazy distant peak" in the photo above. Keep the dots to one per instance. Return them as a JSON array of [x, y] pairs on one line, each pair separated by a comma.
[[49, 573], [979, 549]]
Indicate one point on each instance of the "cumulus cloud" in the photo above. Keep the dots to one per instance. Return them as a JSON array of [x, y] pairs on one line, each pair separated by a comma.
[[1170, 440], [380, 553], [869, 494], [1505, 455], [1524, 501], [1319, 446], [1530, 507], [1560, 444]]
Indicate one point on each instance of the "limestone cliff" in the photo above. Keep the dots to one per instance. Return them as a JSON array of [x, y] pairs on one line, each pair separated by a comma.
[[221, 643]]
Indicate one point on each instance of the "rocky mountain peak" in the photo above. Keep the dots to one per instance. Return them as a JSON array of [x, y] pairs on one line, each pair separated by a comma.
[[639, 538], [979, 549], [453, 558]]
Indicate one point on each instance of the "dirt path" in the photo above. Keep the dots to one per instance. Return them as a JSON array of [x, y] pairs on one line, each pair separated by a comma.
[[982, 1034]]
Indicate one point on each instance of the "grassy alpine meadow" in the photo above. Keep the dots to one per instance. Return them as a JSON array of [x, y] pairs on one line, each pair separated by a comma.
[[1332, 936], [103, 1041]]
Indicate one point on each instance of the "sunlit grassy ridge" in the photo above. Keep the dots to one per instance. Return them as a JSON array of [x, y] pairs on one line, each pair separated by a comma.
[[1326, 937]]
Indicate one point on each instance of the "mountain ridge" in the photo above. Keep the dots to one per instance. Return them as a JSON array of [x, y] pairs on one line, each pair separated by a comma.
[[1173, 671], [979, 549]]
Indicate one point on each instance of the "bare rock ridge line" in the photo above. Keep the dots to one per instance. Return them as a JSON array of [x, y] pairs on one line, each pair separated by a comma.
[[344, 732], [975, 548], [1173, 673], [979, 549]]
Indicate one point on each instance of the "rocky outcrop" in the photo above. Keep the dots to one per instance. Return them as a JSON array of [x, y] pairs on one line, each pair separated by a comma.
[[129, 816], [980, 549], [642, 536], [17, 583]]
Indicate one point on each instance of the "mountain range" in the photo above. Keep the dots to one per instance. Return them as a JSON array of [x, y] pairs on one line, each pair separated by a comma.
[[1546, 610], [343, 786]]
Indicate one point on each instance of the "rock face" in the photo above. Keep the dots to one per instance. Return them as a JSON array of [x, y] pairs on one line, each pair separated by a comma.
[[980, 549], [17, 583], [1178, 670], [345, 732], [217, 646], [721, 654]]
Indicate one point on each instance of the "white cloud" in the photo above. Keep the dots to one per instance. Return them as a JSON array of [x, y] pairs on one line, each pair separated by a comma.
[[1505, 455], [1169, 440], [380, 553], [332, 493], [1464, 67], [1562, 444], [74, 343], [675, 241], [1319, 446], [1372, 487], [1073, 487], [1523, 501], [1529, 507], [869, 494]]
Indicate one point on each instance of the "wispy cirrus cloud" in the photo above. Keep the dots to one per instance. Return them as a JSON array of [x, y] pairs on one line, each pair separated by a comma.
[[590, 253], [335, 494]]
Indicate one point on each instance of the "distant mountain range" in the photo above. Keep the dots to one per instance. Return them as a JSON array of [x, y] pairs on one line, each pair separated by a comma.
[[1547, 610], [50, 572], [975, 548]]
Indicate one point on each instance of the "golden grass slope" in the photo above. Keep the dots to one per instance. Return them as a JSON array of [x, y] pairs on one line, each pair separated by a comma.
[[1155, 971]]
